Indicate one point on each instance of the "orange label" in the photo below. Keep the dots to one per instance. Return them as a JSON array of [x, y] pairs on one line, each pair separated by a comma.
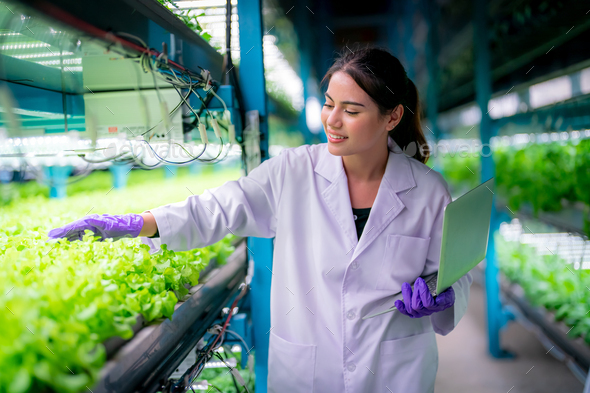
[[112, 129]]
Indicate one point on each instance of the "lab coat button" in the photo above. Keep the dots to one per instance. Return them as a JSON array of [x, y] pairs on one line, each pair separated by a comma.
[[351, 367], [354, 265], [350, 315]]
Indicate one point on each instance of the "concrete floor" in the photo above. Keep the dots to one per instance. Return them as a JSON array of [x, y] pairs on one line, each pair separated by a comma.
[[466, 366]]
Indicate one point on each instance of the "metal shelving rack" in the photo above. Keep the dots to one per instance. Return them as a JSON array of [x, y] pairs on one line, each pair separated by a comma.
[[552, 334], [569, 219], [502, 303], [144, 363]]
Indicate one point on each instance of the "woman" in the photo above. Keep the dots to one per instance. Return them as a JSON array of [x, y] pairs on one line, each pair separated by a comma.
[[315, 201]]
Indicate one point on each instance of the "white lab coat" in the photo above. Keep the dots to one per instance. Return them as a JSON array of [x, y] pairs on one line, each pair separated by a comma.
[[324, 280]]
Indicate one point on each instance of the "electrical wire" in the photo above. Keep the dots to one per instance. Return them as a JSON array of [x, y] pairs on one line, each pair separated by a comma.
[[207, 352], [238, 337], [219, 98], [187, 104], [151, 68], [243, 291], [132, 37], [233, 377], [215, 387], [231, 75], [142, 59], [163, 70], [170, 72], [204, 104], [245, 346]]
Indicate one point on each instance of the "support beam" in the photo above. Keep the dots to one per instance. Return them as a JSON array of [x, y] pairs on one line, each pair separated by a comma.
[[326, 51], [409, 49], [58, 178], [170, 171], [497, 317], [260, 251], [432, 13], [120, 175], [302, 22]]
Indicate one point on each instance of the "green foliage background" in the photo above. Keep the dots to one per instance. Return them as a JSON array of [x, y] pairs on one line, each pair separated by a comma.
[[541, 175], [547, 282]]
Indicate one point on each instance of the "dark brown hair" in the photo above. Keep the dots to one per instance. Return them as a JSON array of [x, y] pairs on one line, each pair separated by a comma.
[[384, 79]]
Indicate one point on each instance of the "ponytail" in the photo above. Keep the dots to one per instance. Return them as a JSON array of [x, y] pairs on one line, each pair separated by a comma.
[[408, 133]]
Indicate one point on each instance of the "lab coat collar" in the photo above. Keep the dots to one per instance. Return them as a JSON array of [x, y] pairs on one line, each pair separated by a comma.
[[397, 172], [397, 177]]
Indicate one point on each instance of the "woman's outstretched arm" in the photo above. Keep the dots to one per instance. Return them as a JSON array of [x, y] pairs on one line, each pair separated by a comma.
[[149, 225]]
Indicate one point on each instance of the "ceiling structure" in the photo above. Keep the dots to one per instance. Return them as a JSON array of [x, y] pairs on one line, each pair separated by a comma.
[[529, 40]]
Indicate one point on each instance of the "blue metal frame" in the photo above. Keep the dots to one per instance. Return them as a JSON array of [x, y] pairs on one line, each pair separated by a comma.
[[432, 49], [58, 176], [147, 19], [497, 315], [408, 45], [41, 100], [260, 251], [302, 24], [171, 171], [120, 175]]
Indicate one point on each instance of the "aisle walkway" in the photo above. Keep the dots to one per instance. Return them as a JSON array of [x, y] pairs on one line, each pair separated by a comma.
[[465, 366]]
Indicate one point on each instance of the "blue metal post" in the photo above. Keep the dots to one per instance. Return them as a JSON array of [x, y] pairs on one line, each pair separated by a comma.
[[120, 175], [253, 86], [170, 171], [325, 40], [324, 51], [432, 14], [302, 28], [576, 80], [58, 177], [409, 49], [196, 168], [496, 316]]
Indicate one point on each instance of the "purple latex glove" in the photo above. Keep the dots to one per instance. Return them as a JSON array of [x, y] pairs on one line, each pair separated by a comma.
[[105, 226], [420, 303]]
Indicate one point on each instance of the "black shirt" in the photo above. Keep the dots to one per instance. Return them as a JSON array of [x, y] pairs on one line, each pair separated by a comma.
[[360, 219]]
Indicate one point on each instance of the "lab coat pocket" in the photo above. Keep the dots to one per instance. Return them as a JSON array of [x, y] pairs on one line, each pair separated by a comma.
[[403, 261], [408, 364], [291, 367]]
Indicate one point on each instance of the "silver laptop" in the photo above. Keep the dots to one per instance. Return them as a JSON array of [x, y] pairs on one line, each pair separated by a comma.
[[466, 227]]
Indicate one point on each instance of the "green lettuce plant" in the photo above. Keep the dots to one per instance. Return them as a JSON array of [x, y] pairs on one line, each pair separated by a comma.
[[541, 175], [548, 281], [61, 300]]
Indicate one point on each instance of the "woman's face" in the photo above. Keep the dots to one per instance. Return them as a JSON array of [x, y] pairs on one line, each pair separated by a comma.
[[351, 113]]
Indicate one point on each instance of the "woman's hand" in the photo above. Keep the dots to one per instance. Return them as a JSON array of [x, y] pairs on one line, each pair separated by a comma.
[[104, 226], [420, 303]]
